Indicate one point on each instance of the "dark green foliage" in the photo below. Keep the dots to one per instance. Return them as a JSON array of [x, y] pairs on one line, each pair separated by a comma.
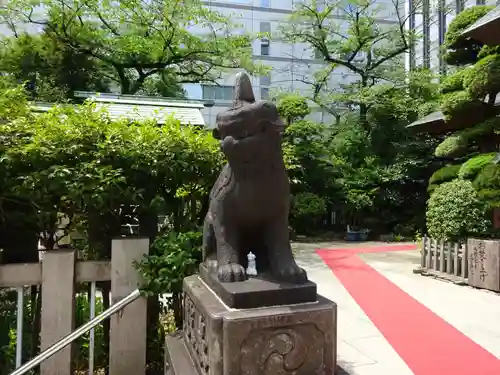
[[306, 210], [173, 256], [82, 315]]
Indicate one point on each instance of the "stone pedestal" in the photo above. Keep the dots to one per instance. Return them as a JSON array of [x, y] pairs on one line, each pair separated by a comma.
[[484, 264], [295, 339]]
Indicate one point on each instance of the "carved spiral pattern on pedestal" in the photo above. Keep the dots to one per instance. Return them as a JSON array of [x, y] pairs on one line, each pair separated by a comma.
[[292, 350]]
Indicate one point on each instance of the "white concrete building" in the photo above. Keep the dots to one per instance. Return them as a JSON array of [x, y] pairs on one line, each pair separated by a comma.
[[291, 64], [431, 22]]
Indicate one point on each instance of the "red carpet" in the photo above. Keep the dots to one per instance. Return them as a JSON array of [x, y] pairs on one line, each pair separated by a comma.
[[427, 343]]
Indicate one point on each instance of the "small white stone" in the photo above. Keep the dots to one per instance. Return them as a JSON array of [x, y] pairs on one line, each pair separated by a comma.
[[252, 268]]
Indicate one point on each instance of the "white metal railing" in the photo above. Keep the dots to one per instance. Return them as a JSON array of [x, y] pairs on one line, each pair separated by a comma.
[[68, 339]]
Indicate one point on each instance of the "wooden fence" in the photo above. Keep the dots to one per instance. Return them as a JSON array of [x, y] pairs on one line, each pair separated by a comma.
[[59, 273], [444, 257]]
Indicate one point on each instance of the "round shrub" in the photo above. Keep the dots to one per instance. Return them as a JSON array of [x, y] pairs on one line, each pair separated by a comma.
[[454, 211], [452, 145], [457, 103], [483, 78]]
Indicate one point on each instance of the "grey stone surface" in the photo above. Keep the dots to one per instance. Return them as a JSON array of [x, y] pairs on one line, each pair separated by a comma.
[[484, 264], [250, 201], [293, 339], [260, 291]]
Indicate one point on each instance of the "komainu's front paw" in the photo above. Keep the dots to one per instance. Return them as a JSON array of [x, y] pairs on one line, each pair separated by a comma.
[[229, 273], [291, 274]]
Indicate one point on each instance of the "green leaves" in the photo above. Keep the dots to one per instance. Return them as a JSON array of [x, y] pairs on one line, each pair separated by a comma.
[[471, 167], [293, 107], [173, 256], [350, 39], [74, 159], [140, 39], [454, 212], [483, 78], [451, 146]]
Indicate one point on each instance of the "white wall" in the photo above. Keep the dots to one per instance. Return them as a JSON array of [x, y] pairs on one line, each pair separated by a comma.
[[292, 65]]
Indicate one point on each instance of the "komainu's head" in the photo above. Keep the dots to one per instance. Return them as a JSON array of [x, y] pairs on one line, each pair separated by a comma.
[[249, 131]]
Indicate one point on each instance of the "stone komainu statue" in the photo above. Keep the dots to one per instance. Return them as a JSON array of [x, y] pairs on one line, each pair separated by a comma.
[[249, 203]]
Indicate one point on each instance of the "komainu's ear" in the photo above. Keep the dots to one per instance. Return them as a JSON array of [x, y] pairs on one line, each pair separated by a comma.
[[215, 133]]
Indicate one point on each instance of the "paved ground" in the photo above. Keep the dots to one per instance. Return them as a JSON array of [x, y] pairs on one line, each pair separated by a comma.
[[365, 348]]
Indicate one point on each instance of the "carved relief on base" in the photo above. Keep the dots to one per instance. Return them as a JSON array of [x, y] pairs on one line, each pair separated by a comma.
[[195, 335], [289, 350]]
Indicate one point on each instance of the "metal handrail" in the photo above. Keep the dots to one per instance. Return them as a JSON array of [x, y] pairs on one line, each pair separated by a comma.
[[68, 339]]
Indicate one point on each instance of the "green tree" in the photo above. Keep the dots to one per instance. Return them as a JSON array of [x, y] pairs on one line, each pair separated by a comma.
[[468, 103], [380, 159], [74, 161], [141, 40], [368, 50], [51, 70]]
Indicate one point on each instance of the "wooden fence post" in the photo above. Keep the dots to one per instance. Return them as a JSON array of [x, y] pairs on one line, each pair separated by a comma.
[[465, 258], [424, 252], [455, 259], [58, 308], [441, 256], [449, 259], [429, 254], [129, 327]]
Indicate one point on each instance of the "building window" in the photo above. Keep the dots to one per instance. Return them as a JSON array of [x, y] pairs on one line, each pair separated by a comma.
[[265, 3], [218, 92], [265, 27], [264, 93], [265, 80], [264, 47]]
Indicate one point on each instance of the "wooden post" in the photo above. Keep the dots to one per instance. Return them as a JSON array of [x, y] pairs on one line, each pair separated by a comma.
[[429, 255], [58, 308], [127, 348], [465, 256], [424, 252], [455, 258], [441, 257], [449, 259], [436, 255]]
